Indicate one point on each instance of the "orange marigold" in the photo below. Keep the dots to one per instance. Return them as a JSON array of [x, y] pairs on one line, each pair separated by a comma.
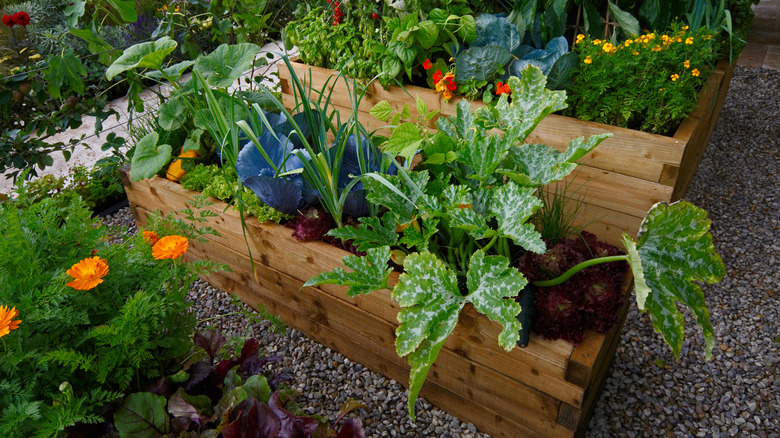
[[150, 237], [6, 315], [87, 273], [687, 63], [695, 72], [588, 60], [674, 77], [169, 247]]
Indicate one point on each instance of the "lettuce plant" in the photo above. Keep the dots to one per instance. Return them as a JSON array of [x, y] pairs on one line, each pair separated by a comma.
[[463, 215]]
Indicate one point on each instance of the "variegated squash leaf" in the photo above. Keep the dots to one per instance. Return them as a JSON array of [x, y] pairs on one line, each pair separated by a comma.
[[368, 274]]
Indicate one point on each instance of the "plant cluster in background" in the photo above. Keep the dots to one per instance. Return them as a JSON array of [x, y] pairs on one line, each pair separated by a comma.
[[612, 83]]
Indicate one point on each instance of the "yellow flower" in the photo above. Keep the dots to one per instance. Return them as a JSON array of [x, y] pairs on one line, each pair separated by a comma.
[[656, 49], [629, 42], [685, 27], [695, 72], [689, 40], [87, 273], [635, 53], [596, 42], [580, 37], [6, 315], [687, 63], [169, 247], [165, 8], [679, 40], [661, 89], [150, 237], [588, 60], [36, 57], [608, 47], [674, 77], [176, 9]]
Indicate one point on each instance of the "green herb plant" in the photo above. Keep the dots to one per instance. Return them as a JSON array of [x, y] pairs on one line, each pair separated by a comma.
[[465, 210]]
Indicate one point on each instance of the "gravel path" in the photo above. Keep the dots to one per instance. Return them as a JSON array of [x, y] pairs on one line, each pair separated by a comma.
[[648, 392]]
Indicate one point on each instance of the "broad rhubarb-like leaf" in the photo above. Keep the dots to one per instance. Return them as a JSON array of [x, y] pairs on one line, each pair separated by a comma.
[[491, 281], [372, 232], [540, 164], [674, 250], [149, 157], [149, 55], [369, 273], [513, 206]]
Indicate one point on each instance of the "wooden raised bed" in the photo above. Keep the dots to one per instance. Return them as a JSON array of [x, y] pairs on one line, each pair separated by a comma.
[[624, 176], [548, 389]]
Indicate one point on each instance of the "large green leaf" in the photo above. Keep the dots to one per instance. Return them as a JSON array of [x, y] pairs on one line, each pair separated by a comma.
[[368, 274], [403, 199], [513, 206], [149, 158], [65, 68], [676, 249], [126, 9], [226, 63], [142, 415], [421, 361], [142, 55], [427, 34], [540, 164], [492, 284], [372, 232], [170, 115], [483, 155], [472, 222], [627, 22], [480, 63], [403, 142], [75, 11], [531, 102]]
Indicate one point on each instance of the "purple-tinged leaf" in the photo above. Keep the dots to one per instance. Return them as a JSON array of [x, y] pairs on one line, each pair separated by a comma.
[[293, 426], [199, 371], [352, 428], [181, 425], [210, 341], [224, 366], [160, 387], [251, 419], [251, 349], [256, 364], [179, 407], [142, 415], [277, 379]]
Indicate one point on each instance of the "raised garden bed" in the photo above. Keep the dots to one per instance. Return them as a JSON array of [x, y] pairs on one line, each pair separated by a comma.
[[547, 389], [625, 176]]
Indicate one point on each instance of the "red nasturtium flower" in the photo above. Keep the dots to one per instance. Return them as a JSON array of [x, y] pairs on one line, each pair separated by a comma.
[[427, 64], [150, 237], [437, 77], [502, 88], [9, 21], [169, 247], [22, 18], [6, 315], [87, 273]]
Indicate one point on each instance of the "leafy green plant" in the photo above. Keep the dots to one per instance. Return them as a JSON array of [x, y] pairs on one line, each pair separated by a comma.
[[81, 344], [465, 210]]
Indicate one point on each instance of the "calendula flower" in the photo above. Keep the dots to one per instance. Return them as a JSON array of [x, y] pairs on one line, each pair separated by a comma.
[[588, 60], [628, 42], [6, 323], [656, 49], [689, 40], [150, 237], [580, 37], [695, 72], [674, 77], [427, 64], [170, 247], [502, 88], [87, 273], [687, 63]]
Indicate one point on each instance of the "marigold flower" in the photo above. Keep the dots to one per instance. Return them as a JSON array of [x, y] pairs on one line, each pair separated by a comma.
[[9, 21], [87, 273], [628, 42], [687, 63], [170, 247], [427, 64], [695, 72], [656, 49], [588, 60], [437, 77], [580, 37], [596, 42], [689, 40], [6, 315], [685, 27], [608, 47], [22, 18], [502, 88], [635, 53], [150, 237], [674, 77], [679, 40], [661, 89], [176, 9], [165, 8]]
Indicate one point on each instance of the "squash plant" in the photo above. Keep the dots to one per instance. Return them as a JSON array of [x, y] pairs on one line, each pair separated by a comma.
[[464, 211]]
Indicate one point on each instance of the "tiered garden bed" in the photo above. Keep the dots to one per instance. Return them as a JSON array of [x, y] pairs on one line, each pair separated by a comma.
[[625, 176], [546, 389]]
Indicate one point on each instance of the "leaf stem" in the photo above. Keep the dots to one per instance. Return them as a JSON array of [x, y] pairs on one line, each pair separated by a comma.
[[490, 244], [577, 268]]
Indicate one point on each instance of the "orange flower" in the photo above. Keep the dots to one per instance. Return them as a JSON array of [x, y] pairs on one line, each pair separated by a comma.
[[169, 247], [150, 237], [689, 40], [502, 88], [87, 273], [580, 37], [674, 77], [427, 64], [6, 315], [695, 72]]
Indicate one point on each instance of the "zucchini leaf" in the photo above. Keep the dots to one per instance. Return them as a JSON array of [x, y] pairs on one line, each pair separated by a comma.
[[372, 232], [675, 249], [368, 274], [513, 206]]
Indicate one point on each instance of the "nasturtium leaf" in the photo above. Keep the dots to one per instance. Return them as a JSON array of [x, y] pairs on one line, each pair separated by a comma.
[[369, 273], [382, 111], [420, 362], [380, 194], [418, 237], [472, 222], [226, 63], [531, 102], [66, 67], [404, 142], [429, 295], [142, 55], [149, 157], [492, 284], [513, 206], [676, 249], [483, 155], [372, 232], [142, 415]]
